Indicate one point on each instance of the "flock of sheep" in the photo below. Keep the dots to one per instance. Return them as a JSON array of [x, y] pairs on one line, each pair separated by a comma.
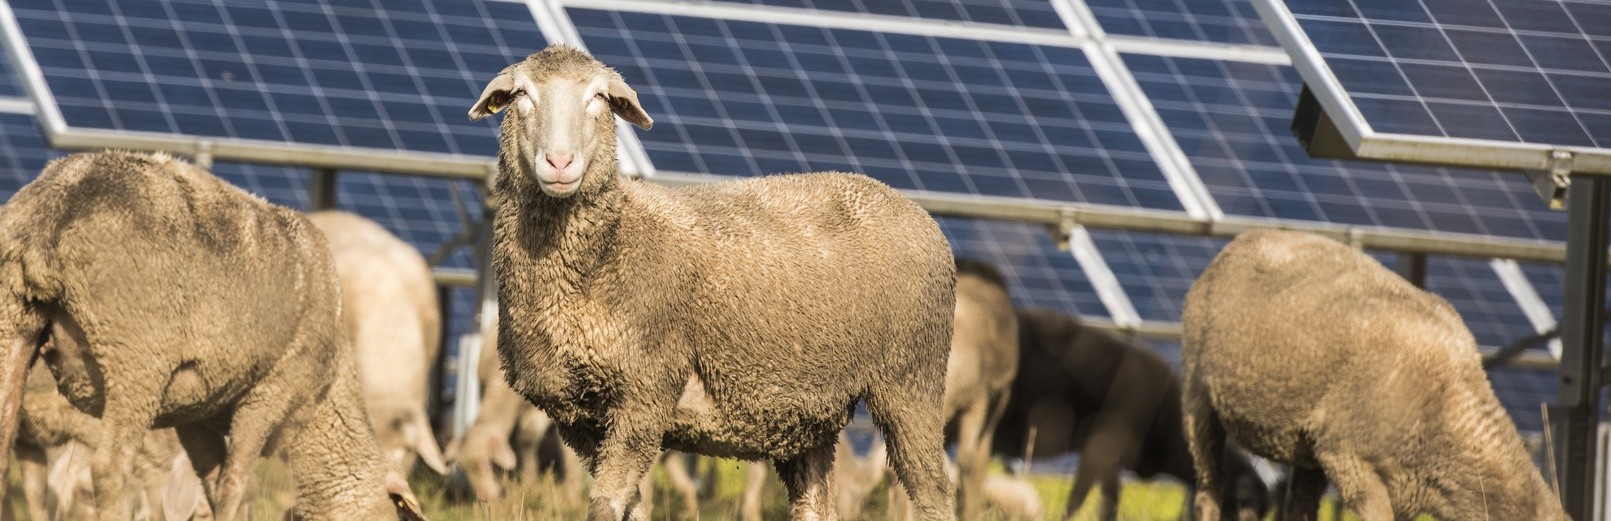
[[183, 328]]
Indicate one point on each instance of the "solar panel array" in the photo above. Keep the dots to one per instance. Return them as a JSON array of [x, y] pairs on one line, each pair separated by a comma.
[[733, 97], [1505, 70]]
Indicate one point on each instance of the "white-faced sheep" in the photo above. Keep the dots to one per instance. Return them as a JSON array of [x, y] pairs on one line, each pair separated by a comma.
[[1080, 389], [1309, 352], [741, 319], [390, 312], [161, 296]]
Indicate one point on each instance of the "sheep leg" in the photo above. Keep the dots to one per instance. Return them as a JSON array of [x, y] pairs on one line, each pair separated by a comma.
[[257, 417], [624, 458], [35, 469], [810, 481], [1304, 489], [676, 464], [1108, 449], [124, 427], [972, 457], [1205, 436], [205, 448], [1110, 498], [750, 508], [1359, 485], [910, 420]]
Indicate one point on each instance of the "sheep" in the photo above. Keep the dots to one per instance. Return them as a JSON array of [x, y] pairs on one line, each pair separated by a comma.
[[741, 319], [53, 434], [1084, 390], [1309, 352], [390, 312], [161, 296]]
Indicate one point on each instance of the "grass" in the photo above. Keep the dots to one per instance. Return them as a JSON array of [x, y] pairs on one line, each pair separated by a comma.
[[1139, 501]]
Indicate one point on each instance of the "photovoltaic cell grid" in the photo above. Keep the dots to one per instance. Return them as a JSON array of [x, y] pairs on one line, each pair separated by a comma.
[[1038, 275], [1156, 270], [1476, 292], [1521, 391], [1031, 13], [972, 117], [9, 86], [1232, 120], [393, 74], [1506, 70], [1220, 21], [22, 153]]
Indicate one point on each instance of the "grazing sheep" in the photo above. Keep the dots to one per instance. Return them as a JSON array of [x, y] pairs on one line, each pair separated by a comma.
[[741, 319], [390, 312], [53, 448], [160, 296], [1309, 352], [1084, 390]]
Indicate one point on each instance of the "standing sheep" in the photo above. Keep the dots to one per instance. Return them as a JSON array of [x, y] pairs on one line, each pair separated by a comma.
[[1118, 405], [390, 312], [741, 319], [160, 296], [1309, 352]]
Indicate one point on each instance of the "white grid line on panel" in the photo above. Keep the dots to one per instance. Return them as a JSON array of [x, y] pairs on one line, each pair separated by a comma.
[[1102, 279]]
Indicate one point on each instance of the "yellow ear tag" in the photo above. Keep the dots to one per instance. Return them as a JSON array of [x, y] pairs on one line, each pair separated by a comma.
[[496, 104]]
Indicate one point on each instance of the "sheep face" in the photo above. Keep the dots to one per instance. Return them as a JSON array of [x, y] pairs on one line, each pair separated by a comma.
[[559, 123]]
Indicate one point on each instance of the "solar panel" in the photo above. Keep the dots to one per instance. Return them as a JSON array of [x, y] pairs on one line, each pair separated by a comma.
[[1231, 120], [972, 117], [1521, 391], [1031, 13], [1474, 289], [303, 72], [1037, 273], [1521, 75], [22, 153], [1220, 21], [1156, 270]]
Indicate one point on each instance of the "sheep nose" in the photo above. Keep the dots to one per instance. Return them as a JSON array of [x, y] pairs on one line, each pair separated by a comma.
[[559, 160]]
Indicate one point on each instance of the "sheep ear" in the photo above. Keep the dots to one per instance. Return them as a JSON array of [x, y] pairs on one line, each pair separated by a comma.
[[493, 98], [408, 506], [624, 103]]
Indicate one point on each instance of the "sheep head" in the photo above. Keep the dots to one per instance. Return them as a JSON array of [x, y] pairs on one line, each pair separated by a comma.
[[560, 103]]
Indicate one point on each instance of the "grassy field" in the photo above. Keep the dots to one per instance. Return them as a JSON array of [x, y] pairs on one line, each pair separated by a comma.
[[1140, 501]]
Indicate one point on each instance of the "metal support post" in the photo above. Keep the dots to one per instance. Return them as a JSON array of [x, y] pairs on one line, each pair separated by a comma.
[[322, 189], [1578, 408], [1412, 266]]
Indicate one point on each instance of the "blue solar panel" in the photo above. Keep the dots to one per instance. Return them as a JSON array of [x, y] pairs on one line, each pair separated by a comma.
[[1474, 289], [1156, 270], [393, 78], [1221, 21], [1231, 120], [1031, 13], [1507, 70], [1521, 391], [742, 98], [1038, 275], [22, 153]]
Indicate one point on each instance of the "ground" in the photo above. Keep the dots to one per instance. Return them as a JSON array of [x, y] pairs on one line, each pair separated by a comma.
[[541, 501]]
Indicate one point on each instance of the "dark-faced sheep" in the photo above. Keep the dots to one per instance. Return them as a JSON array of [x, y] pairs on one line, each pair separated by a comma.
[[1309, 352], [390, 312], [160, 296], [1080, 389], [742, 319]]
